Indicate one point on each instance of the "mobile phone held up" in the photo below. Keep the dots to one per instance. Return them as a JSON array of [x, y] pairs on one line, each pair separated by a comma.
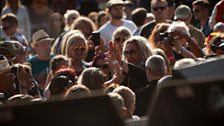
[[96, 38]]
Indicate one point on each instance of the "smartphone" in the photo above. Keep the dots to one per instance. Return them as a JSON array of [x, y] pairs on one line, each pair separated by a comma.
[[96, 38]]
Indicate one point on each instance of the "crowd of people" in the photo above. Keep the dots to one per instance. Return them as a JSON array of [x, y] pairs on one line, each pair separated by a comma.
[[48, 55]]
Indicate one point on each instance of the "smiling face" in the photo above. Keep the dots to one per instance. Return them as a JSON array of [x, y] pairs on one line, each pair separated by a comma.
[[77, 49]]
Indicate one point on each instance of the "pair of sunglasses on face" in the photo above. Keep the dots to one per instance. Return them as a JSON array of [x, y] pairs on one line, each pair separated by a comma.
[[76, 48], [130, 52], [159, 8]]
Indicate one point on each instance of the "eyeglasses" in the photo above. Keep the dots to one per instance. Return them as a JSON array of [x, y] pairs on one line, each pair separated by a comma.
[[82, 48], [159, 8], [131, 52]]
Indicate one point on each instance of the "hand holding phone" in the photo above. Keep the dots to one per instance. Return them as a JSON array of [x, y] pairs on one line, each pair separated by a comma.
[[96, 38]]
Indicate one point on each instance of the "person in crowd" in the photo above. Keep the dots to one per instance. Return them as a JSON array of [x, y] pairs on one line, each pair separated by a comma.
[[40, 62], [10, 27], [174, 40], [129, 7], [120, 35], [183, 13], [102, 18], [76, 49], [56, 25], [93, 16], [15, 7], [58, 86], [89, 77], [215, 45], [134, 54], [136, 50], [7, 86], [19, 99], [24, 82], [85, 25], [14, 51], [118, 102], [217, 14], [69, 17], [159, 10], [158, 51], [219, 27], [155, 69], [184, 63], [139, 17], [116, 10], [110, 88], [57, 62], [77, 91], [129, 101], [66, 72], [201, 12], [218, 50], [150, 17], [171, 6], [39, 15]]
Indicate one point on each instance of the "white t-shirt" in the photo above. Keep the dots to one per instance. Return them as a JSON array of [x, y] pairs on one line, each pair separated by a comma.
[[107, 30]]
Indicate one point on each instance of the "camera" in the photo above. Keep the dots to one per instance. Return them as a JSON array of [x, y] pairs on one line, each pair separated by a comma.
[[166, 37]]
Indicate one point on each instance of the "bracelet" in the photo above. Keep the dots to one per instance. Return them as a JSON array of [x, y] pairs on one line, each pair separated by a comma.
[[181, 50], [114, 62]]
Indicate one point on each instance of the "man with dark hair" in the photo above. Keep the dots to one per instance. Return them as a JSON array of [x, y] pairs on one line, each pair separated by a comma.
[[159, 9], [139, 16], [201, 12]]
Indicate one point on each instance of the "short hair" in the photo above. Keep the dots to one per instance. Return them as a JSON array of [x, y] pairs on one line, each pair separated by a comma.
[[56, 60], [155, 1], [138, 16], [202, 3], [11, 18], [127, 94], [77, 91], [142, 44], [184, 63], [118, 101], [156, 64], [19, 99]]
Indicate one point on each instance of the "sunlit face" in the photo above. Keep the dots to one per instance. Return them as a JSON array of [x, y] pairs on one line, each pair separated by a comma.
[[43, 48], [131, 53], [117, 11], [159, 9], [77, 49]]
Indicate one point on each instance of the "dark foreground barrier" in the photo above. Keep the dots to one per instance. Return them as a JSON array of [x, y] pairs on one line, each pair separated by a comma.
[[92, 111]]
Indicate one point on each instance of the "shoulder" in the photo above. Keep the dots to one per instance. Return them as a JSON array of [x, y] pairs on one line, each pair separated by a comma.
[[105, 26]]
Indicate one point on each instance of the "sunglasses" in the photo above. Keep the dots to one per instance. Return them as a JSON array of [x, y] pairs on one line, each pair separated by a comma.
[[159, 8], [131, 52], [82, 48]]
